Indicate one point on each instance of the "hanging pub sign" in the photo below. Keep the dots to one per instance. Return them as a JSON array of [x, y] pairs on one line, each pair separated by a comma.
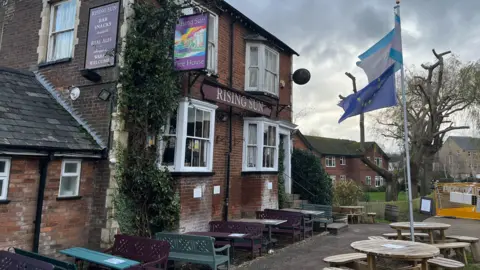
[[191, 42], [102, 36], [235, 98]]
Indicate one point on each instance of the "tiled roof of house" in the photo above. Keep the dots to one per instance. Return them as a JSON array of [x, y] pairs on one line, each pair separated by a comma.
[[30, 117], [338, 147], [466, 143]]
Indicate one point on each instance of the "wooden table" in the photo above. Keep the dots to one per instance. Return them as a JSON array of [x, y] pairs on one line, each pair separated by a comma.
[[395, 249], [305, 212], [223, 235], [104, 259], [352, 210], [267, 222], [428, 227]]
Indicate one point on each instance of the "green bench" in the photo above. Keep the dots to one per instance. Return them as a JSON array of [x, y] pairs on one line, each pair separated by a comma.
[[326, 218], [195, 249], [59, 265]]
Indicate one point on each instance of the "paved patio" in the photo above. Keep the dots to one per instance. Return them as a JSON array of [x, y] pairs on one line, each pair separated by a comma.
[[310, 253]]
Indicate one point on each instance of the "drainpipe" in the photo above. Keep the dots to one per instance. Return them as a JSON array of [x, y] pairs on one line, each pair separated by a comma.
[[230, 114], [41, 192]]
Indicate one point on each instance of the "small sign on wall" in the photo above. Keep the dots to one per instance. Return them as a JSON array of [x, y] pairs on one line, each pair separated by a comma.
[[216, 190], [269, 185], [102, 36], [197, 192]]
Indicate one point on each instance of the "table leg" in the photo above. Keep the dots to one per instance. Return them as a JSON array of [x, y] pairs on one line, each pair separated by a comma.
[[371, 262], [399, 235], [432, 239], [442, 235], [424, 264]]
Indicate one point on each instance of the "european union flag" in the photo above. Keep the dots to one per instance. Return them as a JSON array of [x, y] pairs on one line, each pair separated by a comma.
[[380, 93]]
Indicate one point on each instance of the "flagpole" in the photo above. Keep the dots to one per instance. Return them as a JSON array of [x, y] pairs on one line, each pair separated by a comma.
[[405, 135]]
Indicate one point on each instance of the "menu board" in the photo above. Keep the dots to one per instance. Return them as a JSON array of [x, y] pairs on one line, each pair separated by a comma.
[[102, 36]]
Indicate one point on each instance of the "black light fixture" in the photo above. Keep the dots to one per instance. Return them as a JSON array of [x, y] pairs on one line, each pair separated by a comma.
[[301, 76], [104, 94]]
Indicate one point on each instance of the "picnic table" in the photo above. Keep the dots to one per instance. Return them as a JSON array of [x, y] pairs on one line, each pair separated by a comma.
[[100, 258], [305, 212], [352, 211], [223, 235], [396, 249], [267, 222], [428, 227]]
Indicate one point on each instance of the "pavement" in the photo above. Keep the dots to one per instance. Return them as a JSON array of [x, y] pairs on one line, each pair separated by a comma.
[[309, 254]]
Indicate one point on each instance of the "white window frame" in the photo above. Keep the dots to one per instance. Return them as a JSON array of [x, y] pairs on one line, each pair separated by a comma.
[[343, 161], [380, 181], [379, 162], [261, 68], [6, 176], [261, 122], [212, 66], [343, 178], [333, 162], [333, 178], [181, 137], [368, 180], [51, 33], [78, 174]]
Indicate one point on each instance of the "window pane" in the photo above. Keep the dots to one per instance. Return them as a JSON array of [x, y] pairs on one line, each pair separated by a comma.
[[251, 156], [168, 156], [268, 157], [191, 121], [253, 56], [206, 125], [211, 28], [1, 186], [63, 45], [68, 185], [64, 16], [269, 135], [198, 123], [2, 166], [70, 167], [253, 77], [211, 56], [196, 153], [172, 125], [252, 134]]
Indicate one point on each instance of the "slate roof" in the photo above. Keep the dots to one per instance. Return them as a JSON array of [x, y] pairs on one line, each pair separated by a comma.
[[30, 117], [466, 143], [338, 147]]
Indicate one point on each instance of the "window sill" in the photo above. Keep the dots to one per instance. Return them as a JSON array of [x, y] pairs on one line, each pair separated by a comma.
[[51, 63], [177, 174], [4, 201], [69, 198], [260, 172], [262, 93]]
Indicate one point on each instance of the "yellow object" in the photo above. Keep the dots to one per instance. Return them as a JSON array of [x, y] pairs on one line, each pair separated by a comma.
[[446, 205]]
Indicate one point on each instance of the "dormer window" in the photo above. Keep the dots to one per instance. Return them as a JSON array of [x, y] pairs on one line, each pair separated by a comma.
[[262, 69]]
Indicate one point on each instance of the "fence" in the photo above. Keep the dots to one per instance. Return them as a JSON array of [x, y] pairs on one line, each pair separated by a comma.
[[379, 208]]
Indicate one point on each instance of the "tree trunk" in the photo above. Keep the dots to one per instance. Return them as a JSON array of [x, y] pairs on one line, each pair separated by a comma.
[[427, 175], [414, 177], [391, 191]]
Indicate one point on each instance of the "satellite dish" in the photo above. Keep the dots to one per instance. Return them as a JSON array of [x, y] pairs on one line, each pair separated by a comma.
[[74, 93], [301, 76]]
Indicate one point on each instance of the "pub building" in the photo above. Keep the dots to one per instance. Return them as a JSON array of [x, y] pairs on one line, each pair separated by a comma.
[[59, 125]]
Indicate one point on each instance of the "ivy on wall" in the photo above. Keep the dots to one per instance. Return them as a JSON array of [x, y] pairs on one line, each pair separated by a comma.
[[282, 196], [146, 200]]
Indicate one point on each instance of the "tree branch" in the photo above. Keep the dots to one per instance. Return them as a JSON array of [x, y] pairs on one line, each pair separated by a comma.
[[449, 129]]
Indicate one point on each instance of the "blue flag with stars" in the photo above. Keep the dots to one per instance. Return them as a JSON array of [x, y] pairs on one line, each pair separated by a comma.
[[379, 93]]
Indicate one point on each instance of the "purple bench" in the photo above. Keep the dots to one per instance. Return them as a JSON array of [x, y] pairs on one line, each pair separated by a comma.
[[253, 240], [12, 261], [149, 252]]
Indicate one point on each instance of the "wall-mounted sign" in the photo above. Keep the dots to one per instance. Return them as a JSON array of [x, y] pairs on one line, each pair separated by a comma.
[[235, 99], [191, 42], [102, 36]]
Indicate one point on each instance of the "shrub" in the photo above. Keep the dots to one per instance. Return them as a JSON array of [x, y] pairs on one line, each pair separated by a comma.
[[347, 193], [310, 180]]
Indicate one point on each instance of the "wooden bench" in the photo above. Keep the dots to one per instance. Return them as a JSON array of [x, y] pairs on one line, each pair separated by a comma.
[[254, 231], [149, 252], [58, 265], [327, 216], [391, 212], [347, 259], [439, 263], [458, 247], [292, 226], [9, 260], [195, 249], [405, 235], [473, 244], [306, 223], [372, 215], [376, 238], [333, 268]]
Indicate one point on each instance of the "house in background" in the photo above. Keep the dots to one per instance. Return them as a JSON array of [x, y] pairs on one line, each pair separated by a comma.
[[341, 158], [459, 157]]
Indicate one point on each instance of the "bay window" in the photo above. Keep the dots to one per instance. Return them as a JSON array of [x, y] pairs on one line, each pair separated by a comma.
[[262, 69], [261, 137], [186, 142]]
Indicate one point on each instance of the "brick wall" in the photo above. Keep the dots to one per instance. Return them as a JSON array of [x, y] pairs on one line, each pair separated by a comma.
[[63, 221]]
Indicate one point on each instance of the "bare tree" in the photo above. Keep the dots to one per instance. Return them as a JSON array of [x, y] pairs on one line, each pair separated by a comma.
[[390, 178], [302, 114], [445, 89]]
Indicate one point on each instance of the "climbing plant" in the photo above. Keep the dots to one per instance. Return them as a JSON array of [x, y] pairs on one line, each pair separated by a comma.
[[146, 199], [282, 196]]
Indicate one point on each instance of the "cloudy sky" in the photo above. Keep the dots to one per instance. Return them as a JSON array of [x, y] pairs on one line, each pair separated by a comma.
[[330, 34]]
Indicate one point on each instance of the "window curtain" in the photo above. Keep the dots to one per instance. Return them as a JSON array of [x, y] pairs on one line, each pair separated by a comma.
[[63, 27], [253, 68]]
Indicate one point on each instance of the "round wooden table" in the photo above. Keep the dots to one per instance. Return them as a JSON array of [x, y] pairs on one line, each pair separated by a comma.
[[428, 227], [395, 249]]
